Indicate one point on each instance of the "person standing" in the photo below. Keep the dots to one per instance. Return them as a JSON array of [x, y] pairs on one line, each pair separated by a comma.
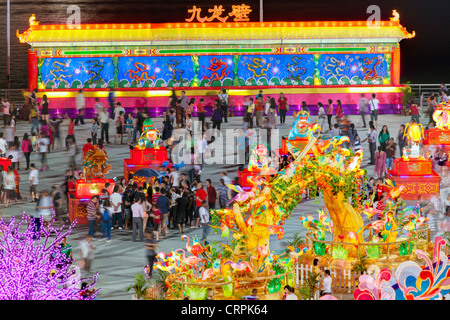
[[249, 112], [204, 219], [217, 115], [383, 137], [92, 214], [432, 104], [183, 104], [80, 104], [380, 162], [34, 118], [164, 207], [329, 112], [415, 112], [116, 204], [129, 127], [322, 115], [111, 100], [9, 185], [44, 143], [138, 218], [120, 121], [94, 130], [272, 114], [6, 106], [200, 196], [88, 146], [222, 194], [150, 247], [104, 123], [401, 139], [211, 194], [200, 148], [181, 207], [223, 103], [106, 211], [54, 124], [391, 148], [70, 131], [117, 110], [26, 149], [201, 114], [374, 102], [327, 281], [87, 248], [339, 111], [362, 106], [98, 106], [44, 110], [372, 138], [33, 178], [283, 108], [259, 107]]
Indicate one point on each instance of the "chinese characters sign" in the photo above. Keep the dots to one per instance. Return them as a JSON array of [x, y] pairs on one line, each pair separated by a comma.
[[239, 12]]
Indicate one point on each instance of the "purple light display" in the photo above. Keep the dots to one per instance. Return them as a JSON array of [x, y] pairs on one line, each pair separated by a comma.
[[36, 269]]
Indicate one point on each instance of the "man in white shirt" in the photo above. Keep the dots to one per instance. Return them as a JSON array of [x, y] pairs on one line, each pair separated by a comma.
[[87, 252], [204, 220], [117, 110], [138, 218], [327, 283], [116, 203], [3, 145], [80, 104], [104, 122], [175, 175], [200, 146], [33, 178], [373, 103]]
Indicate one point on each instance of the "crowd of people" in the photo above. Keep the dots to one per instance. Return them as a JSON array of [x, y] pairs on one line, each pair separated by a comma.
[[178, 199]]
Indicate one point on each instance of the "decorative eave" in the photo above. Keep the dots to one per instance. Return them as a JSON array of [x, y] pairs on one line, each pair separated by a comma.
[[324, 32]]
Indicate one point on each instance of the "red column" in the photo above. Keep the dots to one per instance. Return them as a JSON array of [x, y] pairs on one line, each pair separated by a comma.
[[32, 70], [396, 66]]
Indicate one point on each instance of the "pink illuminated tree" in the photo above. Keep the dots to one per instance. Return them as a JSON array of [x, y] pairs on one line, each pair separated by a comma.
[[32, 266]]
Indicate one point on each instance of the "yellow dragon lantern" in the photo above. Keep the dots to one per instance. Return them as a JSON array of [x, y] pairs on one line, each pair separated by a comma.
[[94, 164], [414, 133]]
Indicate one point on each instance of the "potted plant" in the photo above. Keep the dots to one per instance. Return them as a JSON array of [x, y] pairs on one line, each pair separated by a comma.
[[159, 278], [138, 287], [407, 95], [312, 284]]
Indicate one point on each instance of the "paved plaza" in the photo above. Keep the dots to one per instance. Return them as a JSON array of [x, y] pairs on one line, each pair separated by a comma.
[[117, 261]]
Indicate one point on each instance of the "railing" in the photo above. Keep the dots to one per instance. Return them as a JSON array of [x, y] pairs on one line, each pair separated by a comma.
[[424, 91]]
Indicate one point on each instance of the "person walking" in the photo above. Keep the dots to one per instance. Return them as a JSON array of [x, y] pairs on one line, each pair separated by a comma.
[[401, 139], [92, 214], [329, 112], [9, 186], [150, 248], [362, 106], [33, 119], [129, 127], [181, 207], [111, 101], [26, 149], [204, 219], [380, 162], [373, 103], [6, 115], [54, 125], [222, 194], [432, 105], [70, 131], [80, 104], [104, 123], [87, 248], [138, 217], [164, 207], [200, 196], [223, 103], [183, 104], [283, 108], [43, 143], [119, 121], [44, 110], [33, 179], [201, 114]]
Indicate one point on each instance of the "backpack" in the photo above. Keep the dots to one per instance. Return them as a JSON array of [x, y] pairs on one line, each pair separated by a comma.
[[106, 215]]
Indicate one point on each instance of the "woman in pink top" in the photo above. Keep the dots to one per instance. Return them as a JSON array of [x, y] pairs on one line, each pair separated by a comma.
[[339, 111], [329, 111], [26, 149]]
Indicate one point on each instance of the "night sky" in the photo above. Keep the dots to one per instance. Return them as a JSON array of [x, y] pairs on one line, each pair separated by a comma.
[[425, 58]]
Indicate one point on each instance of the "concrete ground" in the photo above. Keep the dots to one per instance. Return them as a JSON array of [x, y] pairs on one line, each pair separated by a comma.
[[117, 261]]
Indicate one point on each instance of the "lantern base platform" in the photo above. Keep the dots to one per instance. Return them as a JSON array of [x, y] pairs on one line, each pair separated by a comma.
[[77, 210], [243, 175], [416, 186]]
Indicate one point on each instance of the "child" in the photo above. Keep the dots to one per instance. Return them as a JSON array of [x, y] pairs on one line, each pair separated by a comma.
[[189, 123], [357, 143], [190, 107], [156, 216], [34, 141]]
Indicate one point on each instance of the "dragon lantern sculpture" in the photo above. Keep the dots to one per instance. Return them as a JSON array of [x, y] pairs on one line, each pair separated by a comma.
[[94, 164]]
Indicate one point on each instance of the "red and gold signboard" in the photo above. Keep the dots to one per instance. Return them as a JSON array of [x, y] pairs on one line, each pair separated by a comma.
[[77, 210], [85, 190], [427, 185], [439, 136], [154, 156], [413, 167]]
